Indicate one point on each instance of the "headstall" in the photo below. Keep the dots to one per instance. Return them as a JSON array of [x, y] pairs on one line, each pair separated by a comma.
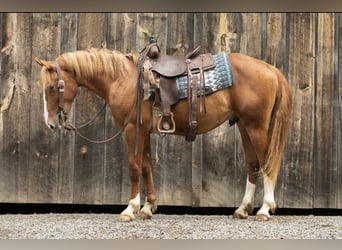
[[63, 114]]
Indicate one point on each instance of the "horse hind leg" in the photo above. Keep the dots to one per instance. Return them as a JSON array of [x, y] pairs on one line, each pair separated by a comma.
[[150, 205], [268, 202], [252, 166], [259, 140]]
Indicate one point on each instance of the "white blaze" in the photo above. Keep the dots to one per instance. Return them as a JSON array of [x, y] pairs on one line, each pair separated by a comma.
[[46, 113]]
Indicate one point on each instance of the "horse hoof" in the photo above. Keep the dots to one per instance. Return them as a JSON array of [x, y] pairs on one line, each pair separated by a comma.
[[125, 218], [262, 217], [237, 215], [144, 216], [154, 208], [240, 213]]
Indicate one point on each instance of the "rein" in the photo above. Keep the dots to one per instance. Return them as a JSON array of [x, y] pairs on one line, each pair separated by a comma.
[[140, 84], [63, 115]]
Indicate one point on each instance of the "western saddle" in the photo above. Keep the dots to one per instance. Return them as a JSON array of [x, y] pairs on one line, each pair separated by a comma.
[[159, 73]]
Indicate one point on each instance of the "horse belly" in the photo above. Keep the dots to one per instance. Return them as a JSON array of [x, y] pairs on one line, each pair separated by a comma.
[[217, 112]]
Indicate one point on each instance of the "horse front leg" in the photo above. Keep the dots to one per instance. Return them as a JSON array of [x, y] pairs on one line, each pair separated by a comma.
[[134, 171], [134, 204], [150, 205]]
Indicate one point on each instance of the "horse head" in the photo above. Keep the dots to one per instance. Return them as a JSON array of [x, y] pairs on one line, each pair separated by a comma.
[[59, 91]]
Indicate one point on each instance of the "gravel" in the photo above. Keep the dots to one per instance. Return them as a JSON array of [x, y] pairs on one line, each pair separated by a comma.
[[161, 226]]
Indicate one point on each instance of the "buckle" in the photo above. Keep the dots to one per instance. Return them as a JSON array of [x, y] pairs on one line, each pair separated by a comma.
[[60, 85]]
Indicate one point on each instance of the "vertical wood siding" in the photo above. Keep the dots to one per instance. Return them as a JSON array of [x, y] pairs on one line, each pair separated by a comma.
[[38, 166]]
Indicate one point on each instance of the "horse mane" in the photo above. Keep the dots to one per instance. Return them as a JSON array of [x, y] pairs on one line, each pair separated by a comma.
[[86, 64]]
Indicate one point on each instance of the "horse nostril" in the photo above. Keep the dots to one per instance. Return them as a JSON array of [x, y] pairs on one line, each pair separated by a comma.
[[51, 126]]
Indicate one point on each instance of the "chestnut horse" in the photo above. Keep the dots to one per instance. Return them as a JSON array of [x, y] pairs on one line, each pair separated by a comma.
[[260, 98]]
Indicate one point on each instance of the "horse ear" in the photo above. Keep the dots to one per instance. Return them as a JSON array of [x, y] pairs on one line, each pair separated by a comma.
[[133, 57], [39, 61], [42, 63]]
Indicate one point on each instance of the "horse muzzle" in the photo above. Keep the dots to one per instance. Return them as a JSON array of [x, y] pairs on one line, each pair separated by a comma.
[[51, 126], [51, 123], [63, 121], [60, 121]]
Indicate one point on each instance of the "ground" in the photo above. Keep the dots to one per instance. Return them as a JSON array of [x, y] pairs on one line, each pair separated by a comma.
[[106, 226]]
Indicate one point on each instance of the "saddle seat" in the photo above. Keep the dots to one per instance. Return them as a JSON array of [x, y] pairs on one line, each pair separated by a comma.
[[171, 66]]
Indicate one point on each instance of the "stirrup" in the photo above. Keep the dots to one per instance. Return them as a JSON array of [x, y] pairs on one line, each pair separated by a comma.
[[160, 128]]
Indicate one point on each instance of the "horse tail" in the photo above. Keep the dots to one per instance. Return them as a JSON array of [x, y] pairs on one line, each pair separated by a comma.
[[278, 127]]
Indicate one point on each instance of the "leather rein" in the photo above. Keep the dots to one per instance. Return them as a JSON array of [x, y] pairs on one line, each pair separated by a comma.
[[63, 115]]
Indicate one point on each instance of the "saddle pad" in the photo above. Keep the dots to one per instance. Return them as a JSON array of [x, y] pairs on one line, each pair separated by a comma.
[[216, 79]]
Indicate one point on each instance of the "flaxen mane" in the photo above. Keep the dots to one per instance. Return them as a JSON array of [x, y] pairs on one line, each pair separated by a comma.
[[96, 62]]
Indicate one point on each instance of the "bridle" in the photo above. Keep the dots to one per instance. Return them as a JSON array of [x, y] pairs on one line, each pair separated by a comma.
[[63, 114]]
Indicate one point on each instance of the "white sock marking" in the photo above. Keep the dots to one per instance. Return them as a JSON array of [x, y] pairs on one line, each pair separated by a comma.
[[268, 197], [147, 208], [249, 193], [133, 207]]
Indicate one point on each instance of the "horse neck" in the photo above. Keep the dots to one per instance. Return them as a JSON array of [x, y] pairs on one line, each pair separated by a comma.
[[119, 93], [96, 78], [100, 87], [114, 92]]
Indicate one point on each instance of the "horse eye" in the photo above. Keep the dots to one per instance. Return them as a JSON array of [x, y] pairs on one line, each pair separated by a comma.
[[51, 88]]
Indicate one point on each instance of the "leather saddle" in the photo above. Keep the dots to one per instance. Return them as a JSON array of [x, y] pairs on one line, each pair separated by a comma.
[[173, 66], [166, 69]]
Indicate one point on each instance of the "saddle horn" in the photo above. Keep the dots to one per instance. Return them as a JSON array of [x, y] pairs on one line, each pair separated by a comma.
[[154, 51]]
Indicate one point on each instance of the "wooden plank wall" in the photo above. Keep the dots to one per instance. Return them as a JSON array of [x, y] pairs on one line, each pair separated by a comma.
[[38, 166]]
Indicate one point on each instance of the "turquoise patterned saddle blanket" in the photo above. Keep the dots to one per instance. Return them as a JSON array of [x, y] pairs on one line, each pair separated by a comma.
[[216, 79]]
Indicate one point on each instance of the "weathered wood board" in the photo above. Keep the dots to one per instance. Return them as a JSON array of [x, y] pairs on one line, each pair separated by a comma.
[[298, 157]]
